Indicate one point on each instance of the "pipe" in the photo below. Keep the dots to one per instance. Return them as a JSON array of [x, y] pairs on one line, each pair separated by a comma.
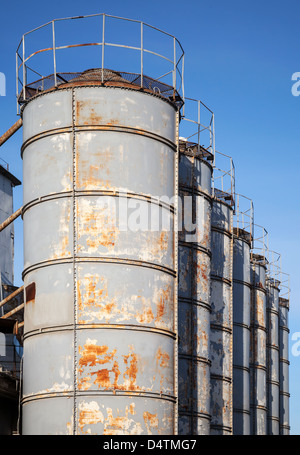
[[10, 219], [15, 310], [12, 130], [11, 296]]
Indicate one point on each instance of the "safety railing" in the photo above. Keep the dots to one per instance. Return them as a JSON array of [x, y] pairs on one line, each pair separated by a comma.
[[243, 217], [223, 179], [106, 32], [260, 248], [197, 128], [285, 285], [274, 268]]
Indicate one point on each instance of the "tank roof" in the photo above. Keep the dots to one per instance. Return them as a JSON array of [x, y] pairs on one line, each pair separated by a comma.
[[95, 76], [193, 149], [9, 176]]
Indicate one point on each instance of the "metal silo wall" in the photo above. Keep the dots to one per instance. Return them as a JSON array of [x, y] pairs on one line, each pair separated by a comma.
[[284, 366], [99, 338], [221, 349], [258, 351], [241, 335], [273, 358], [194, 260]]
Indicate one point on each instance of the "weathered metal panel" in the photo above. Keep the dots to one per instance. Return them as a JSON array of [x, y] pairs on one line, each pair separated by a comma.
[[7, 234], [241, 336], [99, 332], [51, 155], [284, 364], [9, 358], [258, 350], [47, 113], [194, 297], [108, 161], [221, 346], [273, 358]]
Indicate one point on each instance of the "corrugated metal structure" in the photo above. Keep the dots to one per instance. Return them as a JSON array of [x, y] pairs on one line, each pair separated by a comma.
[[242, 243], [221, 343], [7, 182], [194, 258], [10, 352]]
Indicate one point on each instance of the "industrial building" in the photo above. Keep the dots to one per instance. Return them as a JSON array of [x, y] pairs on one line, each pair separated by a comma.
[[152, 304]]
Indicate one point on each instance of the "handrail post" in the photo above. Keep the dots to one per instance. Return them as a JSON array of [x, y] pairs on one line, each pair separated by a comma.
[[103, 40], [142, 54], [54, 53]]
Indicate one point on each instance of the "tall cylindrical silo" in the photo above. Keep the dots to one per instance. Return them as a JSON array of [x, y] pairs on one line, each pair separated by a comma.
[[221, 318], [258, 347], [241, 331], [194, 259], [99, 335], [284, 366], [273, 356]]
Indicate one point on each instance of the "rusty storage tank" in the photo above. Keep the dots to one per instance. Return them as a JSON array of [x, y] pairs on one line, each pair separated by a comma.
[[221, 317], [258, 346], [101, 308], [99, 332], [273, 355], [284, 305], [241, 331], [194, 258]]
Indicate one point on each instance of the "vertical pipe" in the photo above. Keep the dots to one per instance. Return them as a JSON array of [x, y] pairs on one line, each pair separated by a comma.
[[142, 54], [182, 81], [17, 82], [174, 67], [103, 38], [24, 71], [284, 366], [54, 53]]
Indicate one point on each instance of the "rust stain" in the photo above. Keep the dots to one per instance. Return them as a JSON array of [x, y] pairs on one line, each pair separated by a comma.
[[260, 313], [89, 414], [151, 421], [30, 293], [161, 245], [145, 315], [132, 369], [91, 356], [60, 249], [99, 228], [116, 425], [93, 176], [162, 358], [93, 294], [164, 298], [94, 357]]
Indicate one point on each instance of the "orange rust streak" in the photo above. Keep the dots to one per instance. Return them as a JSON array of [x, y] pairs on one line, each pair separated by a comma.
[[165, 297], [131, 370], [151, 421], [162, 358], [90, 355]]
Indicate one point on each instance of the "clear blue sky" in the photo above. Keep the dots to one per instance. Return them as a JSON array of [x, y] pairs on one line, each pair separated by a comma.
[[240, 57]]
